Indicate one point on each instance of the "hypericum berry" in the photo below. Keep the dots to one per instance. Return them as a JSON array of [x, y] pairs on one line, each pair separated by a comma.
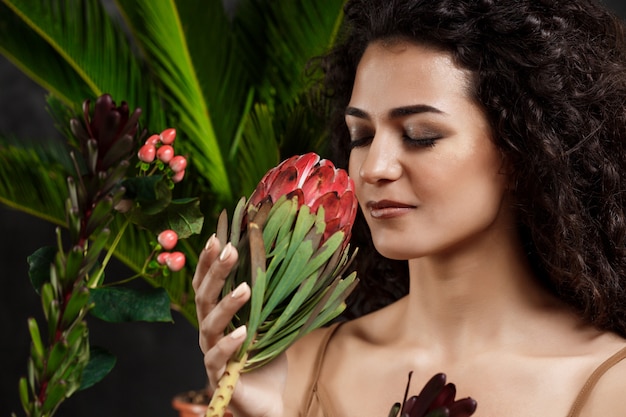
[[165, 153], [153, 140], [147, 153], [176, 261], [162, 257], [178, 176], [167, 239], [178, 163], [168, 136]]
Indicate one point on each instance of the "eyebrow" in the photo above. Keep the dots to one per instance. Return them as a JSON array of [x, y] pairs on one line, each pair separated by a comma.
[[396, 112]]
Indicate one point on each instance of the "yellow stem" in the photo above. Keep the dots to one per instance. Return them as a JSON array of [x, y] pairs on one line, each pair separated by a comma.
[[225, 387]]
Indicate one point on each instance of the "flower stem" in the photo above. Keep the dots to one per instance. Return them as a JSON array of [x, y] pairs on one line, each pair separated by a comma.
[[95, 280], [225, 387]]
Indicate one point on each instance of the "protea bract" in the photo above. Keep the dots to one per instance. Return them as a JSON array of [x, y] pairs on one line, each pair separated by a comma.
[[292, 236]]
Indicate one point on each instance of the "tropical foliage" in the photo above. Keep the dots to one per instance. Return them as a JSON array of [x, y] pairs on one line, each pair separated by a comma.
[[233, 86]]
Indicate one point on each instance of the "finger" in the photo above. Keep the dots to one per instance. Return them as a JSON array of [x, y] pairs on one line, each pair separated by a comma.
[[215, 359], [210, 287], [213, 326], [207, 256]]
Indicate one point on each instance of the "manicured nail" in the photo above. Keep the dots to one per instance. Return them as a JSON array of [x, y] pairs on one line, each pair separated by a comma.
[[209, 243], [239, 332], [226, 252], [237, 292]]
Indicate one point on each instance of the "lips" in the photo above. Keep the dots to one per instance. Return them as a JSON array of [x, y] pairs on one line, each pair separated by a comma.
[[385, 209]]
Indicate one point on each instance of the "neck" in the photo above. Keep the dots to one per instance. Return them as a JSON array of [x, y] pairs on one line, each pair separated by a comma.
[[477, 298]]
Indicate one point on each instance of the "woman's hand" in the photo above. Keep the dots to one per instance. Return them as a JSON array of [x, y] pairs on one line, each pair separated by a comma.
[[257, 393]]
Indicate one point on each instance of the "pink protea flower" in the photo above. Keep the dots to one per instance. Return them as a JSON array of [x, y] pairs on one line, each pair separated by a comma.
[[316, 182], [293, 240]]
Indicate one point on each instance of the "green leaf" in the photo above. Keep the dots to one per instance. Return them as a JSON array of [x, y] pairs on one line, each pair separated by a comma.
[[182, 216], [281, 216], [73, 263], [101, 362], [93, 251], [152, 193], [216, 55], [87, 45], [75, 305], [57, 355], [296, 302], [55, 394], [286, 279], [304, 222], [100, 216], [44, 163], [258, 149], [47, 297], [57, 75], [395, 409], [38, 349], [278, 47], [126, 304], [39, 266], [24, 397], [77, 334]]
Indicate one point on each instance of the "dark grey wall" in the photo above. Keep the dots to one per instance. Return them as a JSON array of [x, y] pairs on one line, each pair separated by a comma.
[[155, 361]]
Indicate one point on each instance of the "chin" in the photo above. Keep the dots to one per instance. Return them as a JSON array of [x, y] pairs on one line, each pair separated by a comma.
[[395, 251]]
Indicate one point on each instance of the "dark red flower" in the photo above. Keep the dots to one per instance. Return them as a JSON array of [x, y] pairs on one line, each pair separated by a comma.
[[316, 183], [436, 399]]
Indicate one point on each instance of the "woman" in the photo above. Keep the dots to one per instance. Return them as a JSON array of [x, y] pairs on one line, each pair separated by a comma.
[[487, 142]]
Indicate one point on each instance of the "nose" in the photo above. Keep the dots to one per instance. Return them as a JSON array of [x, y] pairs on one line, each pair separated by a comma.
[[381, 160]]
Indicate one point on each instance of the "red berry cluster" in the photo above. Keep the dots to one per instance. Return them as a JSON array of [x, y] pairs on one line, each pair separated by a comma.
[[175, 261], [161, 147]]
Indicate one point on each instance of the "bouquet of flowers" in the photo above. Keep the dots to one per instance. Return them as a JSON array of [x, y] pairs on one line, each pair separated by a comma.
[[292, 236]]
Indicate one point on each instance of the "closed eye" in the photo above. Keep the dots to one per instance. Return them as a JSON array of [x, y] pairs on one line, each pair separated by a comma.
[[424, 142], [360, 142]]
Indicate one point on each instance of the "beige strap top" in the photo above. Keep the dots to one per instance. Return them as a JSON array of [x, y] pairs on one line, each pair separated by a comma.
[[318, 403]]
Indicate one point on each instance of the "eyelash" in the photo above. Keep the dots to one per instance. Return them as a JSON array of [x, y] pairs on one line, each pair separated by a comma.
[[427, 142]]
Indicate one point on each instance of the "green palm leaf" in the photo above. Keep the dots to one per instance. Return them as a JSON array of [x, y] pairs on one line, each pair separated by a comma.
[[159, 31], [33, 178], [39, 60], [293, 33], [66, 27], [277, 50], [219, 64]]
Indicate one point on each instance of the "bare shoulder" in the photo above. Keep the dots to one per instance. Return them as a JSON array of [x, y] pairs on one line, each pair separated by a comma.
[[607, 397], [302, 357]]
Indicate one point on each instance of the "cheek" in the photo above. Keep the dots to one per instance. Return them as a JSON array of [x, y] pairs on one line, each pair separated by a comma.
[[353, 171]]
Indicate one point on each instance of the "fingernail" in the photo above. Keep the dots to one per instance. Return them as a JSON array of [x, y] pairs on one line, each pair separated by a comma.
[[226, 251], [237, 292], [239, 332], [209, 243]]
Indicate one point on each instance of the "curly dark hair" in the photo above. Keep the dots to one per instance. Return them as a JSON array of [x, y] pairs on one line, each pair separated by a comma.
[[551, 77]]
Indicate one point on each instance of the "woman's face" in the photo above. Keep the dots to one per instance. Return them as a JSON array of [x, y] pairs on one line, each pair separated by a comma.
[[428, 176]]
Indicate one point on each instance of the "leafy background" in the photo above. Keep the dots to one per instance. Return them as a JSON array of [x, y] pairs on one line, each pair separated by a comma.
[[155, 361]]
